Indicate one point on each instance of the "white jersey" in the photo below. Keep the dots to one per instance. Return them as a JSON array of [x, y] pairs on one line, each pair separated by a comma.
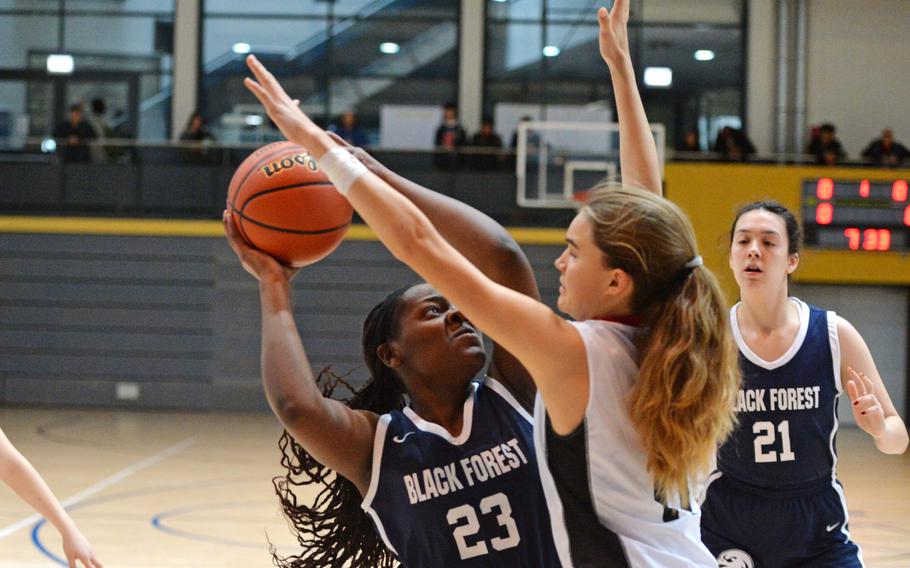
[[598, 489]]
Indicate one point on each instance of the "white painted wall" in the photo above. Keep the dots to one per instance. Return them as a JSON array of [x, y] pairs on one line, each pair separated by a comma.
[[859, 68]]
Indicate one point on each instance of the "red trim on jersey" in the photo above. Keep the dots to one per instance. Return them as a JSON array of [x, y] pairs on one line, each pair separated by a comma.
[[630, 319]]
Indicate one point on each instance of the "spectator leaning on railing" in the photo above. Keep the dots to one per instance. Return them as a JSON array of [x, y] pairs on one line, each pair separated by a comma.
[[74, 135], [825, 146], [885, 151], [489, 145]]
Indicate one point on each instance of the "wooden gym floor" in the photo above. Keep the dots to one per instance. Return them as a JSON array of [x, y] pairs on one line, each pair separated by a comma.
[[193, 489]]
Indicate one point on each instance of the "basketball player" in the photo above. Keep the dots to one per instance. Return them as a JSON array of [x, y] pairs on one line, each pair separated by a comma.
[[21, 477], [775, 500], [635, 395], [449, 479]]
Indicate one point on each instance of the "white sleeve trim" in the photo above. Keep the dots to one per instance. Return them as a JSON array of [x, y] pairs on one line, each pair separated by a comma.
[[378, 443], [834, 341], [367, 504]]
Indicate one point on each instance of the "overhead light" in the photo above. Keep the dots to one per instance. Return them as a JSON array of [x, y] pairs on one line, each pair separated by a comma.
[[660, 77], [254, 120], [704, 55], [389, 47], [60, 64], [241, 48], [551, 51], [48, 145]]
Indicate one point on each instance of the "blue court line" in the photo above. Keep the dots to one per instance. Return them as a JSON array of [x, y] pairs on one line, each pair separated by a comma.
[[156, 522], [36, 529], [40, 545]]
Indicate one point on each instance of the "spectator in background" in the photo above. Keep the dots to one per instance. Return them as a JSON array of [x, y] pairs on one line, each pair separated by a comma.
[[690, 142], [349, 130], [198, 134], [74, 136], [99, 152], [449, 137], [733, 145], [486, 139], [885, 151], [825, 146], [689, 148]]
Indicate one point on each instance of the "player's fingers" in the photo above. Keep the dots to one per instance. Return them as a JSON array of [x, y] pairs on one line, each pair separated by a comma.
[[867, 382], [260, 93], [267, 80], [873, 412], [865, 402], [621, 8], [860, 385], [852, 391]]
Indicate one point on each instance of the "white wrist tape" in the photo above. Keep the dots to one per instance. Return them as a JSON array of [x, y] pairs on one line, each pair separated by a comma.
[[341, 168]]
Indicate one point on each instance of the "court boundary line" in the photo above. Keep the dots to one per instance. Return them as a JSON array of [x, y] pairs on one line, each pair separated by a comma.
[[103, 484]]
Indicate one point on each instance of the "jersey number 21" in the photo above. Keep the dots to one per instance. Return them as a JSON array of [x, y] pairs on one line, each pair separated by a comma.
[[766, 437]]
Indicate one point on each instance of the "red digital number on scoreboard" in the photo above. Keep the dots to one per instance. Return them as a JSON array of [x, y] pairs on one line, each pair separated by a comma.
[[869, 239]]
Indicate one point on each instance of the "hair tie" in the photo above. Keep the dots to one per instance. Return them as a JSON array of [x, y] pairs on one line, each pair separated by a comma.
[[697, 261]]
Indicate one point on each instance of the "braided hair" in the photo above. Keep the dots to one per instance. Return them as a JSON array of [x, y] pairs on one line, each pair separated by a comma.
[[333, 530]]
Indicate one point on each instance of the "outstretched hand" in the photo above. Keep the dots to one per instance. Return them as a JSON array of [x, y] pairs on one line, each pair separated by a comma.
[[259, 264], [282, 109], [867, 409], [614, 33], [76, 547]]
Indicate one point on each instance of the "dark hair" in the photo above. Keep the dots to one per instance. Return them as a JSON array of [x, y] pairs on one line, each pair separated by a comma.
[[75, 107], [794, 233], [333, 530], [450, 105]]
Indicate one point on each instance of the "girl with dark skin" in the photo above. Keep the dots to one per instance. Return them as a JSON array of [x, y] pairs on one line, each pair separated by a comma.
[[416, 344], [637, 392]]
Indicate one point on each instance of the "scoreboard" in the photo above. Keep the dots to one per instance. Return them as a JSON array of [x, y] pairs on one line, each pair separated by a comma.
[[860, 215]]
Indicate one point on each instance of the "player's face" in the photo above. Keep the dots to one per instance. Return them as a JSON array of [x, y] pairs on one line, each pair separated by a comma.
[[584, 278], [759, 253], [434, 338]]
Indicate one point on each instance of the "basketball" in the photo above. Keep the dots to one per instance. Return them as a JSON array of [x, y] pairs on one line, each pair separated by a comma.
[[284, 206]]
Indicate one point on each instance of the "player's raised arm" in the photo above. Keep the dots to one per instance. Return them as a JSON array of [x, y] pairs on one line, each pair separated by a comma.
[[549, 346], [21, 477], [637, 149], [315, 422]]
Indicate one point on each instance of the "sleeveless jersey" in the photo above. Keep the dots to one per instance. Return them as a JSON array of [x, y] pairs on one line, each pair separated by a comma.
[[787, 409], [598, 488], [474, 500]]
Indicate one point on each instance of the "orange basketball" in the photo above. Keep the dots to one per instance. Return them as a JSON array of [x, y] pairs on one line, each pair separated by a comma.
[[283, 205]]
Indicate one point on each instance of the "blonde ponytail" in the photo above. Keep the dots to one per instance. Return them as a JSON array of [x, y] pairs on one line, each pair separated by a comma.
[[682, 401]]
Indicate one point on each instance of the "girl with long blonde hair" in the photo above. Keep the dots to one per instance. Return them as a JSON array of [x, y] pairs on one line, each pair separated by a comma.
[[637, 392]]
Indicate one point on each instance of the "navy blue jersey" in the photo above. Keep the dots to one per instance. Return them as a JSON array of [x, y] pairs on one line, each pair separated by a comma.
[[472, 500], [787, 409], [775, 501]]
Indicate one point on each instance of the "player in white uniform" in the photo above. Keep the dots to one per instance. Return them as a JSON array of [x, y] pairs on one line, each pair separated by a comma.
[[630, 413]]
